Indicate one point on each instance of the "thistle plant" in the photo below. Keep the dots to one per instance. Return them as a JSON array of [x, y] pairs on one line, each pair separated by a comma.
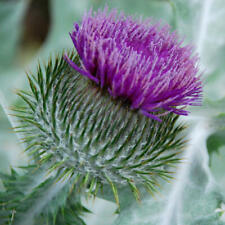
[[107, 114]]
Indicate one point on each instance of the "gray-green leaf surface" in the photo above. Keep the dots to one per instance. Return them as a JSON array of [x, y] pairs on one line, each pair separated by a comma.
[[196, 196]]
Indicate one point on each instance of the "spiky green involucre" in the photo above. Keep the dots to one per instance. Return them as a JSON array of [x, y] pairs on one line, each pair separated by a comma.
[[75, 127]]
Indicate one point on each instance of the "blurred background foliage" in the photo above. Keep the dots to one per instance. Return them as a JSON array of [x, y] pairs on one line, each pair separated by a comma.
[[32, 30]]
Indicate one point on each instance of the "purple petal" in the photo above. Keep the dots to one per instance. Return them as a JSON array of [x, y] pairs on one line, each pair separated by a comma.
[[142, 62]]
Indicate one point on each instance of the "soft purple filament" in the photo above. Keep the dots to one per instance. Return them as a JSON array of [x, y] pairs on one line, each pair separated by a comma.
[[138, 61]]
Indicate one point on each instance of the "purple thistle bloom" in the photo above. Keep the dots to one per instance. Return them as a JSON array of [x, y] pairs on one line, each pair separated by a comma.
[[138, 61]]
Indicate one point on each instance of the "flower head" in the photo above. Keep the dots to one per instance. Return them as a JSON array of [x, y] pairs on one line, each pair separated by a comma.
[[138, 61]]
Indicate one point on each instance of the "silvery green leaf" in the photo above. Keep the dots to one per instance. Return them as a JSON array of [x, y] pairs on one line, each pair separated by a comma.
[[39, 199], [11, 23], [63, 17], [217, 166], [163, 10], [11, 17], [202, 22]]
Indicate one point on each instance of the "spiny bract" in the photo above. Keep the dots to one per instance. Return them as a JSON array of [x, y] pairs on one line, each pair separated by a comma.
[[73, 126], [138, 61]]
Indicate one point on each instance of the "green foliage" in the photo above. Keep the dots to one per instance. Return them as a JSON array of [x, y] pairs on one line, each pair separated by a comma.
[[215, 141], [75, 127], [34, 198], [11, 15], [192, 198]]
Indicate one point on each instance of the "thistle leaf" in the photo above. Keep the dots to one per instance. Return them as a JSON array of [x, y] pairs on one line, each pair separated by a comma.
[[33, 198]]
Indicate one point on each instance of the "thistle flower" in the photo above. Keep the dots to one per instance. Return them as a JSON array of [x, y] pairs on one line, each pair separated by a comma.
[[86, 131], [140, 62]]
